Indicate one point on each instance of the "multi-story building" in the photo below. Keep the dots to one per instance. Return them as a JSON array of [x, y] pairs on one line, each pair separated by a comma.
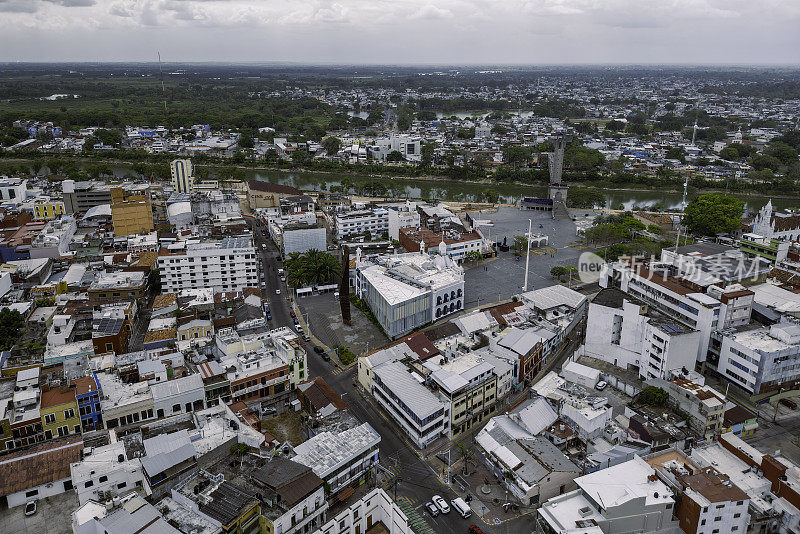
[[261, 194], [375, 509], [453, 243], [406, 291], [88, 394], [118, 286], [130, 214], [710, 503], [59, 411], [227, 265], [760, 359], [372, 221], [46, 209], [13, 190], [293, 497], [342, 460], [182, 174], [627, 333], [783, 225], [704, 405], [753, 245], [106, 471], [125, 406], [23, 411], [79, 197], [624, 499], [402, 216], [53, 241], [298, 236]]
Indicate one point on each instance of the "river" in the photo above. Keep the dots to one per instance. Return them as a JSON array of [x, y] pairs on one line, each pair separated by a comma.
[[464, 191]]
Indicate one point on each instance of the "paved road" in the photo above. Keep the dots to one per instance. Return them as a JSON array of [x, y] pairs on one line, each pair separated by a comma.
[[417, 480]]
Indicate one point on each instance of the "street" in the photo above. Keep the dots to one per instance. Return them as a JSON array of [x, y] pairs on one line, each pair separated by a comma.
[[417, 482]]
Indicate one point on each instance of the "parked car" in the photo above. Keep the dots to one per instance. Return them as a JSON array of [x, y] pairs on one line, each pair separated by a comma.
[[789, 403], [292, 313], [326, 357], [441, 504], [298, 328], [431, 508], [277, 291], [319, 350], [475, 529], [601, 385], [269, 316], [306, 337], [30, 508], [295, 320]]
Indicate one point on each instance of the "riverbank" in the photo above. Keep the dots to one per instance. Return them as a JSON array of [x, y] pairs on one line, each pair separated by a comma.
[[445, 188]]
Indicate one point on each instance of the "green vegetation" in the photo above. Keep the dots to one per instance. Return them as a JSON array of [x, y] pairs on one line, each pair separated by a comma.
[[653, 396], [346, 356], [364, 307], [558, 271], [713, 214], [618, 233], [585, 198], [11, 326], [312, 268]]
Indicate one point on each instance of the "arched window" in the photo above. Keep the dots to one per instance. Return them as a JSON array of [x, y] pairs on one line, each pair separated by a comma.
[[446, 297], [439, 300], [452, 306], [458, 305], [438, 313], [452, 294], [458, 293]]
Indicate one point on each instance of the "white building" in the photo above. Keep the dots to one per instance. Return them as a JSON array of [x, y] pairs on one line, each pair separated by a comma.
[[358, 222], [291, 235], [627, 498], [777, 225], [181, 395], [628, 334], [405, 291], [227, 265], [341, 460], [402, 216], [374, 508], [13, 190], [54, 239], [760, 358], [422, 416], [106, 472], [182, 175]]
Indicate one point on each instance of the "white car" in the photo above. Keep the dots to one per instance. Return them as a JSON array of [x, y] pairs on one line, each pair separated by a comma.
[[30, 508], [298, 328], [277, 291], [601, 385], [441, 504]]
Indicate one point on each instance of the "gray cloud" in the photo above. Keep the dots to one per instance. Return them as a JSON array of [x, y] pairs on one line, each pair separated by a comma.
[[72, 3], [17, 6]]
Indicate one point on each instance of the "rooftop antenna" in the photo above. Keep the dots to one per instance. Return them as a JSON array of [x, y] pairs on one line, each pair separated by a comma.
[[163, 91]]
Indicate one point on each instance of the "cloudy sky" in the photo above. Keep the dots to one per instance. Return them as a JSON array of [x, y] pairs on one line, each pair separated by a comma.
[[403, 31]]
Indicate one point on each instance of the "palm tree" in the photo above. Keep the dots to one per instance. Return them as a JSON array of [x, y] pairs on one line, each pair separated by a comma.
[[311, 268]]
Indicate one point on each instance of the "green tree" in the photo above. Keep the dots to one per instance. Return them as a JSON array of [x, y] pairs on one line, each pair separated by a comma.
[[676, 152], [331, 145], [585, 198], [615, 126], [713, 214], [11, 325], [312, 268], [394, 156], [653, 396], [516, 155], [520, 244]]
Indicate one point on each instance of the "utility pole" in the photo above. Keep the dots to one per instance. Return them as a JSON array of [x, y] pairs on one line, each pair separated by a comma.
[[528, 255]]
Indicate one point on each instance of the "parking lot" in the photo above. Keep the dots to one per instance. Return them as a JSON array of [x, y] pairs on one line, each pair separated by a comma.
[[53, 515], [504, 276], [324, 317]]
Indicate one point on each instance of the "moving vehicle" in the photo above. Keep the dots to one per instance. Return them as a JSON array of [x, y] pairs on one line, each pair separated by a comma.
[[601, 385], [461, 507], [326, 357], [441, 504], [431, 508], [789, 403], [30, 508], [269, 316], [277, 291], [306, 337], [293, 314]]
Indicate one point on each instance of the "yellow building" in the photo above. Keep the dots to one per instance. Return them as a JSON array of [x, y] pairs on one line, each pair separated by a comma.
[[47, 210], [59, 412], [131, 215], [195, 328]]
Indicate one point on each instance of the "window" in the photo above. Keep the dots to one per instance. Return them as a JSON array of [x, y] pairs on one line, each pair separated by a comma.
[[121, 485], [32, 493], [176, 408], [89, 484], [103, 479], [69, 414], [718, 518], [737, 516], [49, 418]]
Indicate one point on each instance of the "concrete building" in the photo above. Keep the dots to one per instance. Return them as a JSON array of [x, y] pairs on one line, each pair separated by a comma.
[[453, 243], [374, 221], [124, 405], [131, 214], [406, 291], [227, 265], [106, 472], [293, 497], [59, 411], [772, 224], [180, 395], [54, 239], [712, 503], [261, 194], [402, 216], [704, 405], [342, 460], [182, 174], [629, 334], [297, 236], [46, 209], [374, 510], [626, 498]]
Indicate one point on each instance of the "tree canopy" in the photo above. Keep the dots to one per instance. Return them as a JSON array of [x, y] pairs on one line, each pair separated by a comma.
[[11, 324], [312, 268], [713, 214]]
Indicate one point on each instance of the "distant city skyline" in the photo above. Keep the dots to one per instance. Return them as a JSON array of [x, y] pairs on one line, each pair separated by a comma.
[[463, 32]]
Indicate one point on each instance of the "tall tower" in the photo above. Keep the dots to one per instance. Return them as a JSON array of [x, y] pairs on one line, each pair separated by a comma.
[[557, 192], [182, 175]]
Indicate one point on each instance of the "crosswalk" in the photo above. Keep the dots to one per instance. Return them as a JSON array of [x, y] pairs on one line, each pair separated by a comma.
[[337, 371]]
